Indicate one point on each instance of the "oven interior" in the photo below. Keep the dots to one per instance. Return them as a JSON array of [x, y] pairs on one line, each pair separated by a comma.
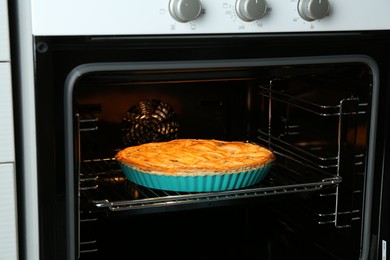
[[314, 117]]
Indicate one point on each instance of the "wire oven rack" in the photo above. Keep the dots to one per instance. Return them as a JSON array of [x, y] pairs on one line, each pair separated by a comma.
[[103, 184]]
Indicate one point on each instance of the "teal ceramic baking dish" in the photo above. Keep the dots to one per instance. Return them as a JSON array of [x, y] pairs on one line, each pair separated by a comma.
[[208, 183]]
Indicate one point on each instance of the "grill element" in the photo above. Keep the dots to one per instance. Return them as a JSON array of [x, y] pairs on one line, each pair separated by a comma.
[[149, 121]]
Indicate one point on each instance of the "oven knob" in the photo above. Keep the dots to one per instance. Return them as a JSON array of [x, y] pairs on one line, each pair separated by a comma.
[[185, 10], [311, 10], [250, 10]]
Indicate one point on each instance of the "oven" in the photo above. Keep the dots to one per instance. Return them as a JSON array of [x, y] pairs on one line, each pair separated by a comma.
[[307, 79]]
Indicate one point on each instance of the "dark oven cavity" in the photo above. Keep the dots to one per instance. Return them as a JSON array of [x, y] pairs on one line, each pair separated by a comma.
[[314, 117]]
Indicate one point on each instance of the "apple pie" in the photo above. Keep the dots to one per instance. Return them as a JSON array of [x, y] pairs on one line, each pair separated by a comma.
[[195, 158]]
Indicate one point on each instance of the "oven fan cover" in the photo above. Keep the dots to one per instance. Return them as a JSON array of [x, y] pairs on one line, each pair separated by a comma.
[[149, 121]]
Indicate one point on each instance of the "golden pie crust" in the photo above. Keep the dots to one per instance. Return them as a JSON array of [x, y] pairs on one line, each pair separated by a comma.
[[195, 157]]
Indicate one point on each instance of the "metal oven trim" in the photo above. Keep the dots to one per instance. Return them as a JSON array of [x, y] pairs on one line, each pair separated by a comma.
[[195, 64]]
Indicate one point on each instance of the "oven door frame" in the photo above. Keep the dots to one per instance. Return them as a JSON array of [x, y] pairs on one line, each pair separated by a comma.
[[47, 76]]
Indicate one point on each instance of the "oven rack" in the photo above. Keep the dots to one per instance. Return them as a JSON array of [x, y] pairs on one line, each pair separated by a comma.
[[313, 104], [311, 147], [307, 156], [103, 185], [87, 120]]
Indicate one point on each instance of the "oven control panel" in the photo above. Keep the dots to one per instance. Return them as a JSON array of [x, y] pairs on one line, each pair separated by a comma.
[[163, 17], [247, 10]]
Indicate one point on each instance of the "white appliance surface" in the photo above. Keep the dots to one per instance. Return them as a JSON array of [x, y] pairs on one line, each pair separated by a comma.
[[8, 214], [8, 202], [7, 152], [4, 39], [130, 17]]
